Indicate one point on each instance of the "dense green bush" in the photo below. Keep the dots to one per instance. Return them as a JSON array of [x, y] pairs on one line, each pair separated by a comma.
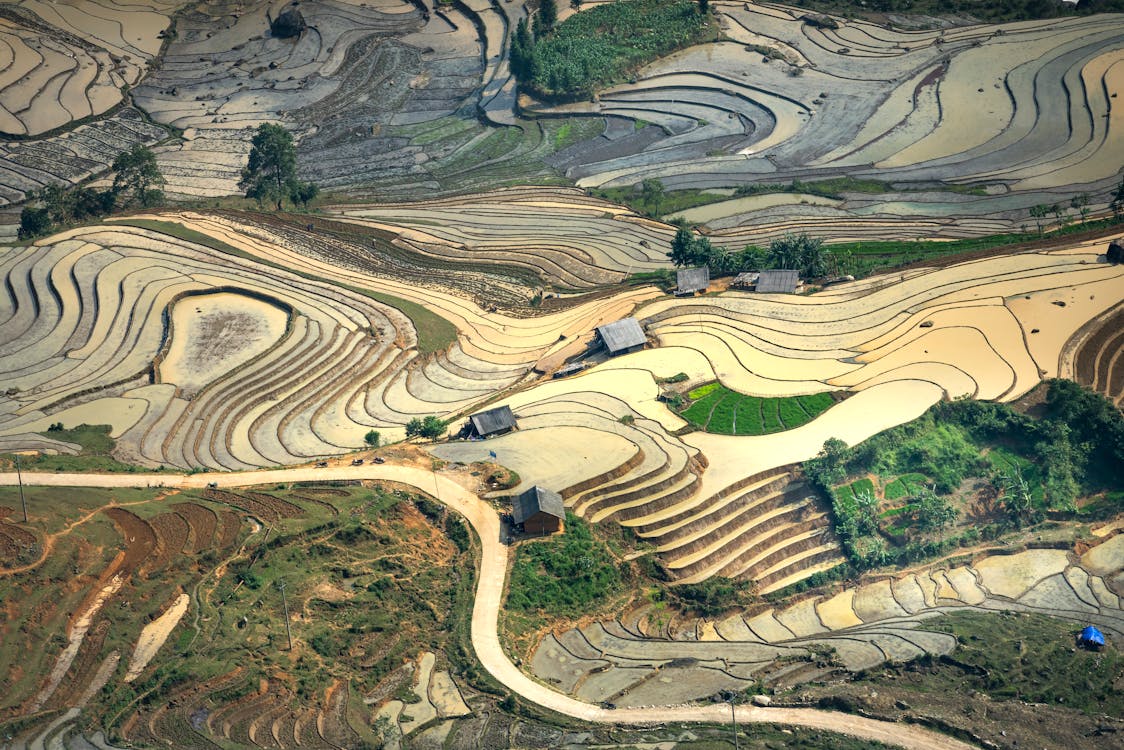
[[710, 597], [600, 46], [563, 574]]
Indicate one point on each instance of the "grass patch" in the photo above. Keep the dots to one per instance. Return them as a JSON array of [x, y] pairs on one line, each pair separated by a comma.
[[565, 575], [862, 486], [905, 485], [97, 447], [435, 333], [1026, 657]]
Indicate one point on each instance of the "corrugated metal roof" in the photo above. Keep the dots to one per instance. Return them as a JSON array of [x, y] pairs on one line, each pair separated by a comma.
[[537, 499], [690, 280], [493, 420], [778, 281], [622, 334]]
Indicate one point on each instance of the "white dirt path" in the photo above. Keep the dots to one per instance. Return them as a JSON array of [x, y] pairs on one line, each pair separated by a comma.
[[489, 598]]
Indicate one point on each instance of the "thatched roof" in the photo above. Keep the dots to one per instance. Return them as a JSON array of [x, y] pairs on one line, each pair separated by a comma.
[[622, 334], [536, 500]]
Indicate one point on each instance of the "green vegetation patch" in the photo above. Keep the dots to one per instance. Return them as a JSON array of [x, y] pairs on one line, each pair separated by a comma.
[[435, 333], [905, 485], [96, 454], [717, 409], [603, 45], [564, 575], [1021, 468], [1026, 657]]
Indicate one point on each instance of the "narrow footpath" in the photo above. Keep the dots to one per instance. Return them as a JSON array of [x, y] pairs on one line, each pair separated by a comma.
[[489, 597]]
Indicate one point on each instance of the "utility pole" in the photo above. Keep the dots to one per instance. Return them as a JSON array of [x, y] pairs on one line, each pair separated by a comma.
[[19, 479], [734, 721], [285, 603]]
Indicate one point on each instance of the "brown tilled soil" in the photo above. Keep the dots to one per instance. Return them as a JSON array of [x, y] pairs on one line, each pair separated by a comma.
[[171, 537], [201, 522], [140, 539], [13, 541], [265, 507], [229, 527]]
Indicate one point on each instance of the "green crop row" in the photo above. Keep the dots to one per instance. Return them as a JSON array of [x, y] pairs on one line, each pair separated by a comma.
[[717, 409]]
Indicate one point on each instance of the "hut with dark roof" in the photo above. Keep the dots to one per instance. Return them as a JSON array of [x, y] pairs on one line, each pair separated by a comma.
[[492, 422], [538, 511], [779, 281], [622, 336], [691, 280]]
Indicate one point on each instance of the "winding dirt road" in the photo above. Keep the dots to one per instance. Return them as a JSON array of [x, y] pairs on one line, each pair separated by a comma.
[[489, 597]]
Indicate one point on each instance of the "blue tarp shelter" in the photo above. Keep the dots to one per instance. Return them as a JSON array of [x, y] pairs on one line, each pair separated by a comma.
[[1090, 637]]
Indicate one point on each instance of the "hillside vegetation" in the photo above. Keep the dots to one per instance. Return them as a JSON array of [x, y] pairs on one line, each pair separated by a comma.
[[602, 46]]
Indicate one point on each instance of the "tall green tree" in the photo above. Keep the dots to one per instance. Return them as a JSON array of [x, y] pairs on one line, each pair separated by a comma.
[[688, 250], [1117, 202], [271, 172], [547, 15], [138, 180], [522, 52], [1039, 212], [652, 192], [799, 251]]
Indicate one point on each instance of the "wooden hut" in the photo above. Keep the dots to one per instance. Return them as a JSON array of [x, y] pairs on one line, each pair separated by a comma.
[[492, 422], [538, 511]]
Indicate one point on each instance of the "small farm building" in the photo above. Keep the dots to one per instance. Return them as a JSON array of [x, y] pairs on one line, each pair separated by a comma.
[[778, 281], [622, 336], [1091, 638], [539, 511], [492, 422], [745, 280], [691, 280]]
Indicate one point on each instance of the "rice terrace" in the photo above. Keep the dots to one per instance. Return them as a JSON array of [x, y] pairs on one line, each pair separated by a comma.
[[527, 374]]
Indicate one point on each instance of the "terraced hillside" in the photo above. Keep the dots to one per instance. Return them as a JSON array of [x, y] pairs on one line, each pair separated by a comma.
[[318, 362], [868, 101], [1097, 356], [646, 658], [169, 633], [569, 240], [64, 62]]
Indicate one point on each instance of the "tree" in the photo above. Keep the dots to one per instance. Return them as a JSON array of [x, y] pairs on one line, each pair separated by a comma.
[[431, 427], [372, 438], [933, 511], [829, 467], [1080, 203], [522, 52], [687, 250], [704, 6], [303, 192], [138, 180], [545, 19], [799, 251], [1059, 212], [34, 222], [1039, 213], [652, 192], [271, 172], [1118, 200], [867, 506]]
